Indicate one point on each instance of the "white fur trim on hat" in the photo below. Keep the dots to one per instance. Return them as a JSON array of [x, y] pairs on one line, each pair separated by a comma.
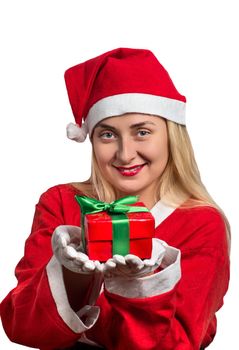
[[76, 133], [120, 104]]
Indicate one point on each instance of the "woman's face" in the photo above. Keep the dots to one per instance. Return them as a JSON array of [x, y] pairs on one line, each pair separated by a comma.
[[132, 152]]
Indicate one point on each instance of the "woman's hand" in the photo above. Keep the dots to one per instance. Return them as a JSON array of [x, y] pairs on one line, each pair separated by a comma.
[[132, 266], [68, 249]]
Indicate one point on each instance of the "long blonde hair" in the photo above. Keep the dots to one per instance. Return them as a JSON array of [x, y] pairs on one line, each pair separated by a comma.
[[180, 182]]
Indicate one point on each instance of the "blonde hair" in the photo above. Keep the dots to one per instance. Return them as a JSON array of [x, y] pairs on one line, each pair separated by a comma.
[[180, 183]]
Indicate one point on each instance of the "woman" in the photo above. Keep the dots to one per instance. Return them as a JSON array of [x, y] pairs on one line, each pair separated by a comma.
[[135, 119]]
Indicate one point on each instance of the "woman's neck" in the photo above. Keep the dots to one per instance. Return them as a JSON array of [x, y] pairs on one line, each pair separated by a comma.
[[147, 199]]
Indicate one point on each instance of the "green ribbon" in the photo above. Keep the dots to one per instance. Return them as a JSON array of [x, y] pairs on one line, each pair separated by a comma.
[[120, 222]]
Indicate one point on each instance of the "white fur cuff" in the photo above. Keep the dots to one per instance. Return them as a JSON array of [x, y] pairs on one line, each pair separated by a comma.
[[156, 284], [57, 287]]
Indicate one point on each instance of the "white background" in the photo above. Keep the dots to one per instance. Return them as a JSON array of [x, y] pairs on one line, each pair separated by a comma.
[[197, 43]]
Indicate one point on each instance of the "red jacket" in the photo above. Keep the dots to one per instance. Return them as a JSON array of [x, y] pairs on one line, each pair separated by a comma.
[[178, 314]]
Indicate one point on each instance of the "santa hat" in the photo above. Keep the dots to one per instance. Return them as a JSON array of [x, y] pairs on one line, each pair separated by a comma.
[[120, 81]]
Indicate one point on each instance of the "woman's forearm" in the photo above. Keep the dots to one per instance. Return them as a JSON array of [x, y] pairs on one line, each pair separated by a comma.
[[78, 288]]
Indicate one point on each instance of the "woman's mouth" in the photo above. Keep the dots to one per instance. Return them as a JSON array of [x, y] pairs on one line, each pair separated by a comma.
[[130, 171]]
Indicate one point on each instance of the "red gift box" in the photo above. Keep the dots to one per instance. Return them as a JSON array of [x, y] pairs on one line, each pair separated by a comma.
[[98, 230]]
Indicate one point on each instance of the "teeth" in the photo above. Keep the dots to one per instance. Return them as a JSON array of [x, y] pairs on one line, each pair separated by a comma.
[[129, 170], [132, 169]]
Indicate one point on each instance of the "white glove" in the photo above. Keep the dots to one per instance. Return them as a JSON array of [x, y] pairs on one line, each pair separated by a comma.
[[68, 249], [132, 266]]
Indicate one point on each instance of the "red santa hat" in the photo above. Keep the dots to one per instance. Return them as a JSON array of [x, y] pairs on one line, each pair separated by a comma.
[[120, 81]]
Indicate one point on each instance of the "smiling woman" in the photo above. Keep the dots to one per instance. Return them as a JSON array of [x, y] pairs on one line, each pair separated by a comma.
[[135, 117], [132, 154]]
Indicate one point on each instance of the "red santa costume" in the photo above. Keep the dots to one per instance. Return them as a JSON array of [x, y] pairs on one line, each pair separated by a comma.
[[174, 308]]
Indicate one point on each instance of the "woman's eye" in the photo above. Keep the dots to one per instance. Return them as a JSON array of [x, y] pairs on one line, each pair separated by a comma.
[[107, 135], [143, 132]]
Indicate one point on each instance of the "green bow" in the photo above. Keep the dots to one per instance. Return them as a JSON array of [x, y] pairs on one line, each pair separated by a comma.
[[117, 210]]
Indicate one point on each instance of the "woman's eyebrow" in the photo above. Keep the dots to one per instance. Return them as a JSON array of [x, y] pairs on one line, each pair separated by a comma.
[[106, 126], [137, 125]]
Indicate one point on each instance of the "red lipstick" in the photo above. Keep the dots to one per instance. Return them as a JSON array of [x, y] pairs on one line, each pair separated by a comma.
[[130, 171]]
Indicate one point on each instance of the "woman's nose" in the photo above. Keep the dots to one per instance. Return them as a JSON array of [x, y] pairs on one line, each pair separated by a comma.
[[126, 151]]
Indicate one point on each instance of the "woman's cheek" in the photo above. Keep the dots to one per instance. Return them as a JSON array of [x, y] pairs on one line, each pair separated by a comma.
[[151, 151], [161, 147], [104, 153]]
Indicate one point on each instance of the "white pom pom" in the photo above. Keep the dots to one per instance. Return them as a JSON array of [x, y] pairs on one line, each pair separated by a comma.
[[74, 132]]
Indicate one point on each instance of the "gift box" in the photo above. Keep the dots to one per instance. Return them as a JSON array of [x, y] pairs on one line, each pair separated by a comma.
[[121, 227]]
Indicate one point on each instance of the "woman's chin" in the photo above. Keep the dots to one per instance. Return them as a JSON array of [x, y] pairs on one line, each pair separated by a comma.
[[129, 190]]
